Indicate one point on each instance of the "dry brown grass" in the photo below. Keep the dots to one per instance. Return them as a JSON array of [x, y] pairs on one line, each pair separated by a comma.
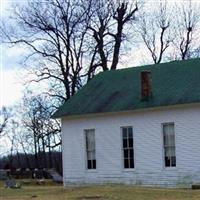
[[106, 192]]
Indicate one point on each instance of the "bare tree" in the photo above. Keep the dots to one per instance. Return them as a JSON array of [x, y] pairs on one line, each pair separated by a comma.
[[12, 134], [54, 31], [23, 144], [154, 30], [186, 30], [4, 117], [43, 132], [70, 39], [108, 27]]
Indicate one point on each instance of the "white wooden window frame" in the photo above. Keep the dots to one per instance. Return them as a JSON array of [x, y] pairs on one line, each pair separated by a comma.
[[164, 146], [122, 149], [86, 152]]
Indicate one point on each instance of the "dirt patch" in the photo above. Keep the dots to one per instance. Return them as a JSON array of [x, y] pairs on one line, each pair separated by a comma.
[[91, 197]]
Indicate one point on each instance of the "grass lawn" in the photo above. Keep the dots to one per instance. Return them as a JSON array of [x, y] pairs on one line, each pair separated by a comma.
[[114, 192]]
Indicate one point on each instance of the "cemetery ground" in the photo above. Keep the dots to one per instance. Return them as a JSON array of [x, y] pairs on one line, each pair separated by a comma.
[[53, 191]]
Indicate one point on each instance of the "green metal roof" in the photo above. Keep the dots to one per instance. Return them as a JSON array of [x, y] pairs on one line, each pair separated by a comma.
[[176, 82]]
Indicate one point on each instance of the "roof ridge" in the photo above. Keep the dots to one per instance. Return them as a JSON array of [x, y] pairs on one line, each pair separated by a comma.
[[152, 65]]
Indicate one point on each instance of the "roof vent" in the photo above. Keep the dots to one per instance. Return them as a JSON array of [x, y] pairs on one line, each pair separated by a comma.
[[146, 85]]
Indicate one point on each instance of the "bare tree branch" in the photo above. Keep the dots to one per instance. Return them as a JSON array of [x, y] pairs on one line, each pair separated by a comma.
[[186, 24], [155, 34]]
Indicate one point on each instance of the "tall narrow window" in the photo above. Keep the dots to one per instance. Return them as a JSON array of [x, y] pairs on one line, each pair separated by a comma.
[[128, 150], [90, 149], [169, 145]]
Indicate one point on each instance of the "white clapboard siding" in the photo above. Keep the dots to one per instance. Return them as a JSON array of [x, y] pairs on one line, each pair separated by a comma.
[[148, 146]]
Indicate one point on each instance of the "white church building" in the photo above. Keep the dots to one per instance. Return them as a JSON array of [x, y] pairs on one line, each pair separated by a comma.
[[137, 125]]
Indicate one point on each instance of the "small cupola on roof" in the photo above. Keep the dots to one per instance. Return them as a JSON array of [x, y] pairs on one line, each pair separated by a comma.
[[146, 88]]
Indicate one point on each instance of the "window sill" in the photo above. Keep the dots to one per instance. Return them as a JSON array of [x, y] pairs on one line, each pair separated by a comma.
[[128, 170], [91, 170], [170, 168]]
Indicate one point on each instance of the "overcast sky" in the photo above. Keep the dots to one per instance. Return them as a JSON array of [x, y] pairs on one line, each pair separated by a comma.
[[10, 69]]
